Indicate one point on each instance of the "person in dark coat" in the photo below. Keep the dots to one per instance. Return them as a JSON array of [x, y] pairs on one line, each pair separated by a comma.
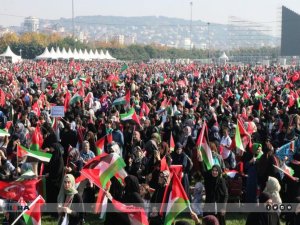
[[180, 158], [48, 135], [70, 202], [265, 166], [250, 164], [68, 138], [216, 191], [157, 198], [113, 217], [263, 218], [132, 191], [55, 173]]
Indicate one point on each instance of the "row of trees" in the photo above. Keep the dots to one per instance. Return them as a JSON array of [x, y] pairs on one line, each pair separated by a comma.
[[33, 44]]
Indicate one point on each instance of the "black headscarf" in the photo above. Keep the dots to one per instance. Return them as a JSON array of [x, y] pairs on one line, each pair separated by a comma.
[[132, 191]]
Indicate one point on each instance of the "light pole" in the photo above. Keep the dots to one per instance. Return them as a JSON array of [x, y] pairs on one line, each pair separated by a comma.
[[208, 37], [191, 4]]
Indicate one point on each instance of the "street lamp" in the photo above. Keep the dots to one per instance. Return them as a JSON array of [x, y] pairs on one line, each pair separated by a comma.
[[20, 53]]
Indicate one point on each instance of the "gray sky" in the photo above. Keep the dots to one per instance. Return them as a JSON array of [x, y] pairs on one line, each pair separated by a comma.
[[12, 12]]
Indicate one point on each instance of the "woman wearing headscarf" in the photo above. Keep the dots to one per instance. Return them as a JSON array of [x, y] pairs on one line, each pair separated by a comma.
[[265, 166], [132, 191], [74, 163], [187, 141], [263, 218], [250, 168], [180, 158], [70, 202], [157, 198], [55, 172], [273, 188], [21, 132], [216, 191]]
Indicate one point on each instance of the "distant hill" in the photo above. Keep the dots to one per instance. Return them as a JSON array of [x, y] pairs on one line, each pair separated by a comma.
[[164, 30]]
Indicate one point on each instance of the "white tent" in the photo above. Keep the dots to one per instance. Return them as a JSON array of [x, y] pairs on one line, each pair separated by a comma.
[[224, 57], [53, 54], [108, 56], [80, 53], [70, 53], [9, 54], [86, 55], [75, 54], [102, 56], [58, 53], [96, 55], [45, 55], [91, 54], [64, 54]]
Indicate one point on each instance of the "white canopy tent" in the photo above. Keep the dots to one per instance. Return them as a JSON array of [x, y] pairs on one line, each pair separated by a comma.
[[45, 55], [224, 57], [9, 54], [64, 54], [70, 53], [76, 54], [108, 56], [102, 56], [53, 54]]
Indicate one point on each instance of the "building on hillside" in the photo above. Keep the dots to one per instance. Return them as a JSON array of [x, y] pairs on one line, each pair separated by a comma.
[[31, 24]]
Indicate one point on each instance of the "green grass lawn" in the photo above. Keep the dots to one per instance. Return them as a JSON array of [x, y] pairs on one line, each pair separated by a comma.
[[231, 219], [91, 219]]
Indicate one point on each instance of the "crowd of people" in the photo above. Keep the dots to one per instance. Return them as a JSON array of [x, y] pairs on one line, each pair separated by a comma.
[[250, 112]]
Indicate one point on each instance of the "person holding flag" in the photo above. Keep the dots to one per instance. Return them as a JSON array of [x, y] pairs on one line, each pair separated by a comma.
[[70, 206], [216, 191], [157, 198]]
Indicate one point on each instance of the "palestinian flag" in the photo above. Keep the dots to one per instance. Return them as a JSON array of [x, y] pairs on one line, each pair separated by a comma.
[[258, 95], [42, 156], [100, 145], [172, 143], [109, 166], [124, 67], [289, 172], [202, 145], [36, 140], [136, 215], [91, 164], [32, 216], [3, 133], [123, 100], [260, 108], [76, 98], [101, 204], [240, 135], [130, 115], [177, 200]]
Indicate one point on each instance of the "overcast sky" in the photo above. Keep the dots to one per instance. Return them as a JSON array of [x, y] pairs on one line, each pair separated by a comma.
[[12, 12]]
